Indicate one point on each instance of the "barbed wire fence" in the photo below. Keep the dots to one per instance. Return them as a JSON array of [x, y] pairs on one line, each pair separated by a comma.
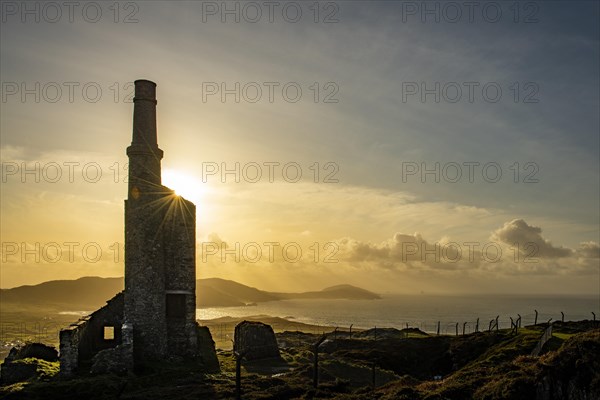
[[20, 332]]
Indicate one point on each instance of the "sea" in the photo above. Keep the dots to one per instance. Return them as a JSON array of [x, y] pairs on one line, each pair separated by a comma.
[[421, 311]]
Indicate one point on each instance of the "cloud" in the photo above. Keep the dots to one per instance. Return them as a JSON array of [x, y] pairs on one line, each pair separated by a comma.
[[528, 239], [215, 238], [405, 251], [408, 261], [588, 250], [11, 153], [515, 248]]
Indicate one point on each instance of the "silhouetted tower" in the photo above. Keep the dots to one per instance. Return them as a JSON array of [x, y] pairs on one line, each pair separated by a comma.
[[160, 232], [144, 154]]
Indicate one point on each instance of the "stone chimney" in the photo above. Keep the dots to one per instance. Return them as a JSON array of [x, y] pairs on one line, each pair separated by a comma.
[[144, 154]]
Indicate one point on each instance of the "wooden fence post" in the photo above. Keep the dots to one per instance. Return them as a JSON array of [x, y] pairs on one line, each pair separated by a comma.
[[316, 361], [238, 374], [374, 366]]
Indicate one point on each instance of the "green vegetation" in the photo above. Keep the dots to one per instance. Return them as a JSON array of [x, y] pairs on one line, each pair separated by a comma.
[[45, 370], [483, 366], [506, 371]]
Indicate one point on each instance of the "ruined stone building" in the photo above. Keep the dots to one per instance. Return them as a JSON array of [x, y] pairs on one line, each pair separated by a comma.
[[154, 318]]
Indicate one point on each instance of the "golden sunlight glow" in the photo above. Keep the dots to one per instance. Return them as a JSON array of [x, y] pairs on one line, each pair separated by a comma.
[[185, 185]]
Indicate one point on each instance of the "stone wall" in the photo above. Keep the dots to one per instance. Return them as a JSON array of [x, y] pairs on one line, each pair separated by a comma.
[[179, 231], [144, 274], [160, 260], [81, 341], [118, 359]]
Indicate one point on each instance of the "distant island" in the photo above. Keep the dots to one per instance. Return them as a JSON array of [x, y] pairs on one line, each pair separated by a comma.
[[91, 292]]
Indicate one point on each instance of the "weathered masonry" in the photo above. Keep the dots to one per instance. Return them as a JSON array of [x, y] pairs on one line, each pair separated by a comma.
[[154, 318]]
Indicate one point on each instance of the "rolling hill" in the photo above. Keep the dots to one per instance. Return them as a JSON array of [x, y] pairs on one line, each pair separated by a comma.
[[334, 292], [89, 293]]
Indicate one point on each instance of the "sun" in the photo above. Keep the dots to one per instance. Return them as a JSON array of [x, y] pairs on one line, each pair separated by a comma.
[[184, 185]]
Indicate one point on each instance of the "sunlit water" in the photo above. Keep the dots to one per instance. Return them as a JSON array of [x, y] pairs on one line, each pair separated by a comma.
[[422, 311]]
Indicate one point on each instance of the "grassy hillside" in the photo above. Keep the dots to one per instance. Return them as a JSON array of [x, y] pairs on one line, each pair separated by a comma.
[[482, 366], [84, 293]]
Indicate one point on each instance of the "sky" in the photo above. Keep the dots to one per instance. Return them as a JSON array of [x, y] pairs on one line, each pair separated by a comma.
[[400, 146]]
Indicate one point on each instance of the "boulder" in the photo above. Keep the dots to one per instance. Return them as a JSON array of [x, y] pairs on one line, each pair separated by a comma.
[[23, 362], [33, 350], [114, 360], [255, 341], [206, 350], [13, 372]]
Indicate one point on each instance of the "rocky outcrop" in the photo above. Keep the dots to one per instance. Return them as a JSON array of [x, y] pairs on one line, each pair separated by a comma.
[[206, 350], [33, 350], [110, 360], [12, 370]]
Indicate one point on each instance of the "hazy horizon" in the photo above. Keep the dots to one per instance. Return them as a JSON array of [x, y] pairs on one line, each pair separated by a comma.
[[374, 290]]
